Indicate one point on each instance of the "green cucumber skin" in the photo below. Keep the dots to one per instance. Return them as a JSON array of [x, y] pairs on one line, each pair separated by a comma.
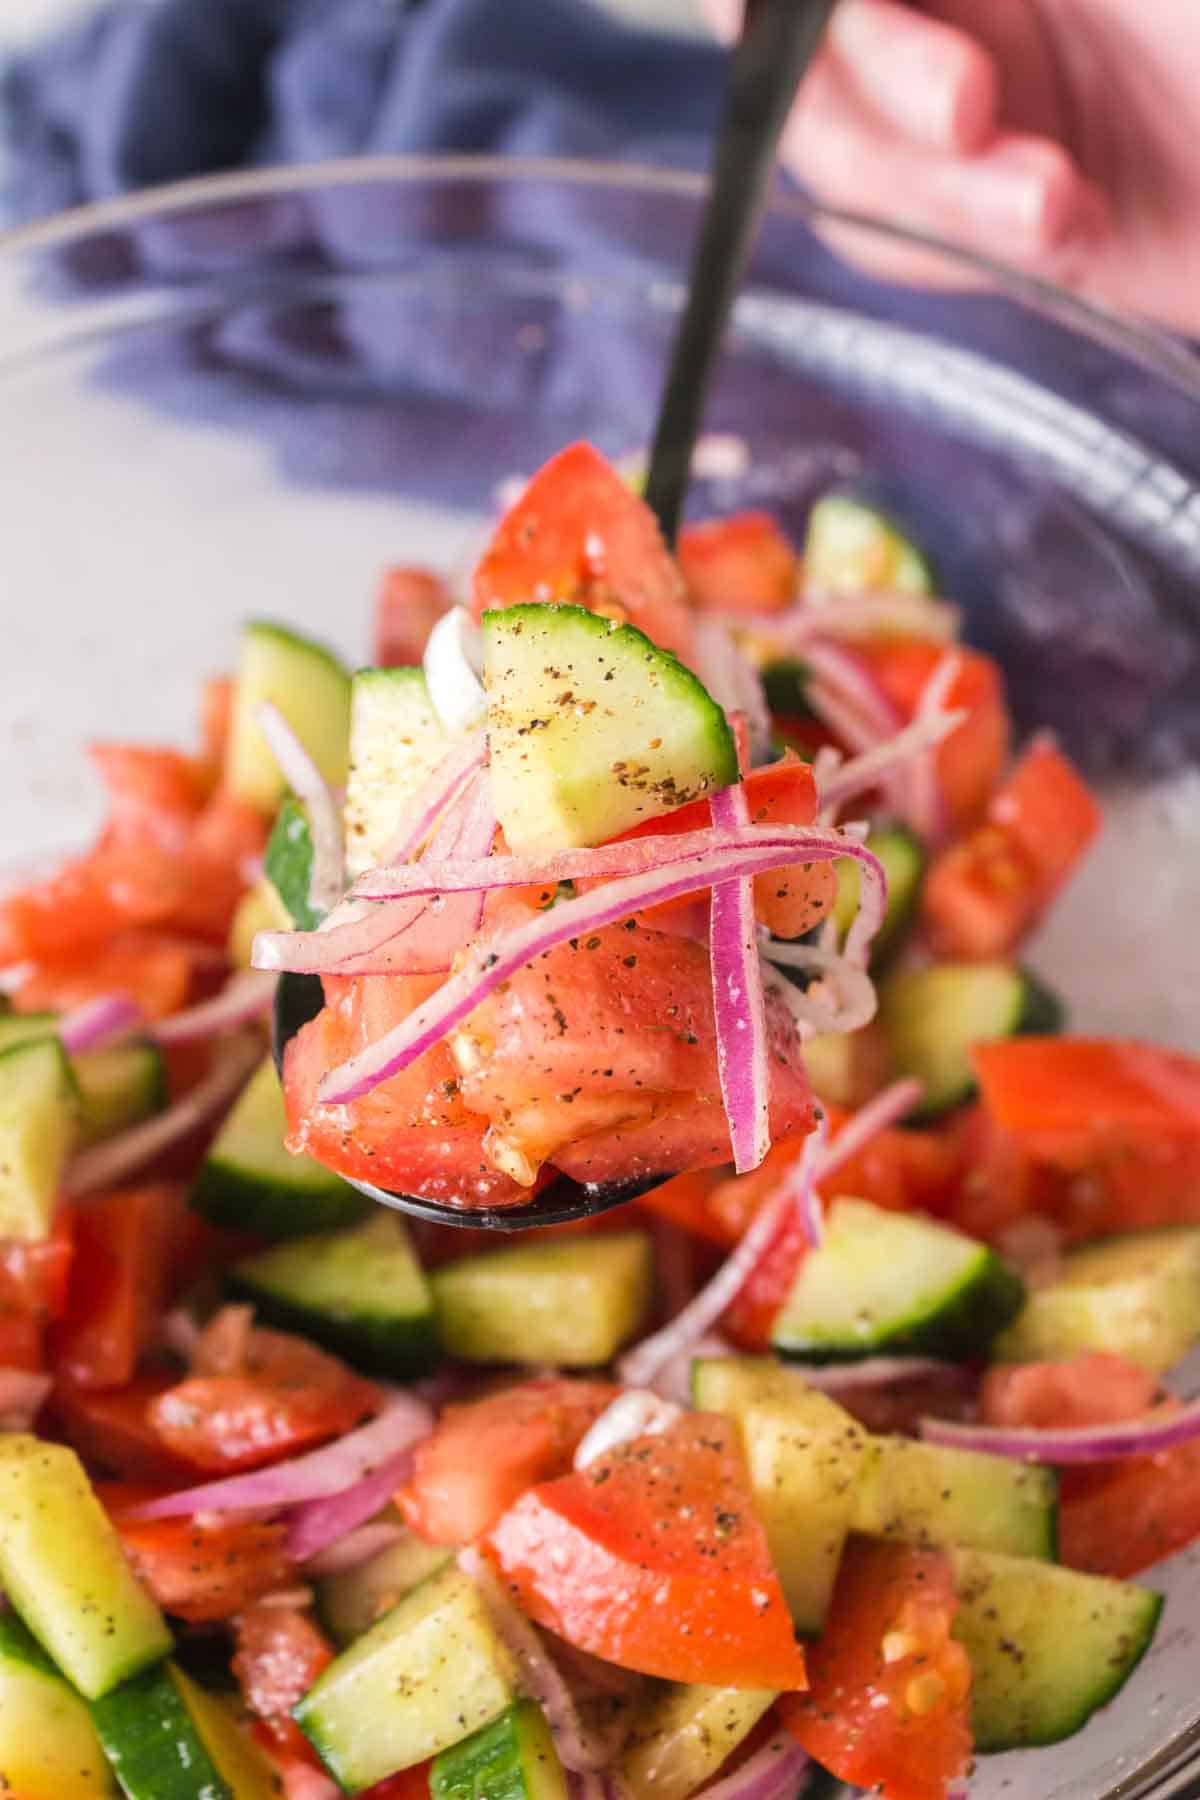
[[287, 863], [18, 1644], [396, 1347], [241, 1201], [513, 1758], [961, 1330], [151, 1741]]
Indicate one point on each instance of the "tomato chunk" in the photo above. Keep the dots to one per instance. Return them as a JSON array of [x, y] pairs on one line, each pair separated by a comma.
[[410, 603], [155, 969], [203, 1570], [1118, 1518], [279, 1653], [652, 1558], [742, 564], [21, 1342], [1104, 1134], [119, 1276], [288, 1397], [889, 1688], [34, 1276], [1098, 1389], [982, 895], [971, 759], [111, 1430], [579, 535], [154, 794], [483, 1455]]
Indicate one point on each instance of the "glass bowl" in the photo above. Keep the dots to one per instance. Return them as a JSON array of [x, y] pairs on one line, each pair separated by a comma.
[[246, 395]]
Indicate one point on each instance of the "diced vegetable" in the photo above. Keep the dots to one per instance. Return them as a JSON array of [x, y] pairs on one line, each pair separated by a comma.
[[852, 548], [572, 1303], [904, 859], [359, 1291], [935, 1016], [167, 1739], [86, 1607], [118, 1087], [513, 1758], [430, 1673], [396, 742], [310, 687], [124, 1245], [250, 1182], [39, 1124], [350, 1601], [742, 564], [592, 728], [287, 865], [48, 1744], [939, 1498], [885, 1281], [681, 1735], [259, 909]]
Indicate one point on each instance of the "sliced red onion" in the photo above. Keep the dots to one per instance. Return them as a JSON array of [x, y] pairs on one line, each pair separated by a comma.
[[99, 1022], [863, 616], [772, 1773], [674, 1378], [357, 1547], [926, 809], [327, 878], [452, 662], [800, 1183], [888, 1107], [23, 1393], [844, 997], [873, 1371], [317, 1524], [109, 1163], [489, 964], [247, 997], [732, 680], [738, 1003], [434, 795], [315, 1476], [880, 764], [846, 675], [582, 1750], [634, 1414], [1082, 1444], [640, 1366]]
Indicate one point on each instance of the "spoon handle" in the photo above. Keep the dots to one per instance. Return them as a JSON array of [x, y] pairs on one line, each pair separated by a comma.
[[778, 41]]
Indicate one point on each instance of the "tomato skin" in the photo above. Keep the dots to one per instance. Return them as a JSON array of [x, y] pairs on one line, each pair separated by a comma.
[[970, 761], [1097, 1389], [983, 894], [154, 794], [21, 1344], [483, 1455], [111, 1430], [202, 1571], [741, 564], [34, 1277], [124, 1243], [652, 1557], [410, 602], [579, 536], [1118, 1518], [1101, 1135], [290, 1397], [153, 968], [279, 1653], [889, 1689]]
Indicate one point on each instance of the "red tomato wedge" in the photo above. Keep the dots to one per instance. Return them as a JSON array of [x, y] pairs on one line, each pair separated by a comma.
[[154, 794], [1098, 1389], [972, 758], [119, 1275], [21, 1344], [982, 895], [1118, 1518], [289, 1397], [413, 1133], [483, 1455], [34, 1277], [579, 536], [112, 1432], [155, 969], [201, 1570], [279, 1653], [410, 603], [889, 1689], [742, 564], [1109, 1130], [652, 1558]]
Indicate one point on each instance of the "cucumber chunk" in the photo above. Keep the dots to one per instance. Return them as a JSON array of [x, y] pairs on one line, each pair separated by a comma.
[[352, 1600], [572, 1303], [1047, 1646], [39, 1126], [592, 728], [259, 909], [933, 1016], [513, 1758], [682, 1734], [396, 742], [933, 1496], [168, 1739], [287, 864], [904, 860], [852, 548], [891, 1281], [311, 688], [63, 1569], [360, 1292], [806, 1456], [1137, 1295], [119, 1087], [48, 1744], [250, 1182], [430, 1673]]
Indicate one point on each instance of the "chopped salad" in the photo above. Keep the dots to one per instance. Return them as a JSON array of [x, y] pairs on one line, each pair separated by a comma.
[[696, 882]]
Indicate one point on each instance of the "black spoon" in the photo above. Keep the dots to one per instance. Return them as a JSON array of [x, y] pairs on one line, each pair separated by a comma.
[[778, 40]]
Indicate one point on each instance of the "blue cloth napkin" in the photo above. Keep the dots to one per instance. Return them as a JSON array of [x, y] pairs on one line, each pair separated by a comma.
[[151, 91]]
